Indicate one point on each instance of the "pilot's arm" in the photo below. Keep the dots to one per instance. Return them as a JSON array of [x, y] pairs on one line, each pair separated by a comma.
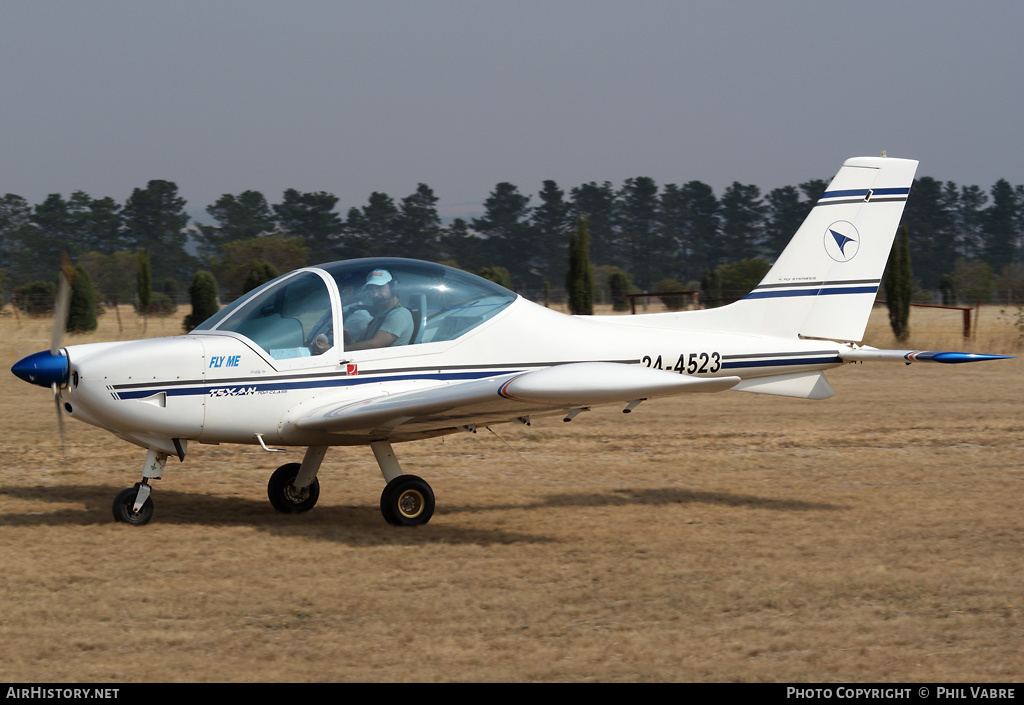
[[380, 339], [395, 328]]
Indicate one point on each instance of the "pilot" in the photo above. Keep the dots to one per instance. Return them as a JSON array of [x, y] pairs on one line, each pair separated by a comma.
[[391, 324]]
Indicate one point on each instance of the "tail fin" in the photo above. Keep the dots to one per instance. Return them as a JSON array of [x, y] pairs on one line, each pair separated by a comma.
[[824, 283]]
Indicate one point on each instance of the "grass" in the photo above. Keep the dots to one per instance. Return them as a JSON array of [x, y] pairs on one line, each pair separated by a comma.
[[874, 536]]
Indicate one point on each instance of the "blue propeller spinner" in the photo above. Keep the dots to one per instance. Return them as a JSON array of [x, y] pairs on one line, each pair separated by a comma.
[[42, 368]]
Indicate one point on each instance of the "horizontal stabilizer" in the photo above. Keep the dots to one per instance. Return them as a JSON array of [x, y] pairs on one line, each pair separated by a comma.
[[802, 385], [908, 356]]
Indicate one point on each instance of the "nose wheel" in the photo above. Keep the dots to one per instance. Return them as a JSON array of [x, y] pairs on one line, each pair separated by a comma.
[[288, 498], [124, 506], [133, 505]]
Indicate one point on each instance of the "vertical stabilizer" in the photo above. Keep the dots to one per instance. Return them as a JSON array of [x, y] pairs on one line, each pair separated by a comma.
[[824, 283]]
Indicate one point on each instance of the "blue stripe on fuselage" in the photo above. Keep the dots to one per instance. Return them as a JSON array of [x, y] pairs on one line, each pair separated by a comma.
[[781, 363], [271, 386]]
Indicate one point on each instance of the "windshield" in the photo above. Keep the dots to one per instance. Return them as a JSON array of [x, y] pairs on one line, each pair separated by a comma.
[[288, 318], [386, 302], [443, 303]]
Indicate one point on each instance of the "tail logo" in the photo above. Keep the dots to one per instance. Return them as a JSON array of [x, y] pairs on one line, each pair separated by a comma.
[[842, 241]]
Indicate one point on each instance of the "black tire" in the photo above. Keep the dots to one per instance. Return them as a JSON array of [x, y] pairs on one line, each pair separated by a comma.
[[124, 507], [385, 508], [407, 501], [283, 494]]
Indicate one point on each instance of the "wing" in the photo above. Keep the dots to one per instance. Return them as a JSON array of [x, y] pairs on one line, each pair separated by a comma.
[[502, 398]]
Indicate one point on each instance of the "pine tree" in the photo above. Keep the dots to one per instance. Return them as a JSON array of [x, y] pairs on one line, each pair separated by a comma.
[[507, 236], [241, 217], [311, 216], [551, 221], [154, 220], [637, 214]]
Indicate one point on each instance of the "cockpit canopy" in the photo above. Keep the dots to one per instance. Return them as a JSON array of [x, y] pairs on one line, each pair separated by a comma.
[[293, 317]]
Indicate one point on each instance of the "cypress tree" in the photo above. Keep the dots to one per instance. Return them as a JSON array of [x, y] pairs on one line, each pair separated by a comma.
[[35, 298], [619, 284], [672, 303], [145, 286], [498, 275], [579, 280], [82, 307], [260, 272], [711, 287], [899, 287], [203, 294], [947, 285]]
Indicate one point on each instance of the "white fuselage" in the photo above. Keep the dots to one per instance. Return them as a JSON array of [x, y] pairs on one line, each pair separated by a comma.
[[220, 388]]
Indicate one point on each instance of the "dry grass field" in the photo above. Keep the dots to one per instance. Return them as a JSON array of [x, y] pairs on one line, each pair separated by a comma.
[[874, 536]]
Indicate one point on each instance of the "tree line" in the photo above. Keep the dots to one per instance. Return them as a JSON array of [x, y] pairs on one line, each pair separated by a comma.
[[962, 239]]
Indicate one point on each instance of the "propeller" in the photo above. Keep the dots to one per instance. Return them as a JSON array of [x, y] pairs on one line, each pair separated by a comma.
[[62, 307], [61, 310], [48, 368], [60, 417]]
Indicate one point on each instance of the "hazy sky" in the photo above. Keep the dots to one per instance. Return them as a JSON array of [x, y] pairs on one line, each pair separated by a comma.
[[363, 96]]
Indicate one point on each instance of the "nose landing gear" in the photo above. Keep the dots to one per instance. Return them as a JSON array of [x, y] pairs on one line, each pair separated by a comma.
[[125, 509], [288, 498], [294, 487], [133, 505]]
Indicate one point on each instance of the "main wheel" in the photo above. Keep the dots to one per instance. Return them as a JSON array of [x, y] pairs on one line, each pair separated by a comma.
[[385, 507], [124, 507], [285, 496], [407, 501]]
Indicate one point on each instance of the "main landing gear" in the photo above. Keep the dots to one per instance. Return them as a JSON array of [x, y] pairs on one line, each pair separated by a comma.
[[407, 500]]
